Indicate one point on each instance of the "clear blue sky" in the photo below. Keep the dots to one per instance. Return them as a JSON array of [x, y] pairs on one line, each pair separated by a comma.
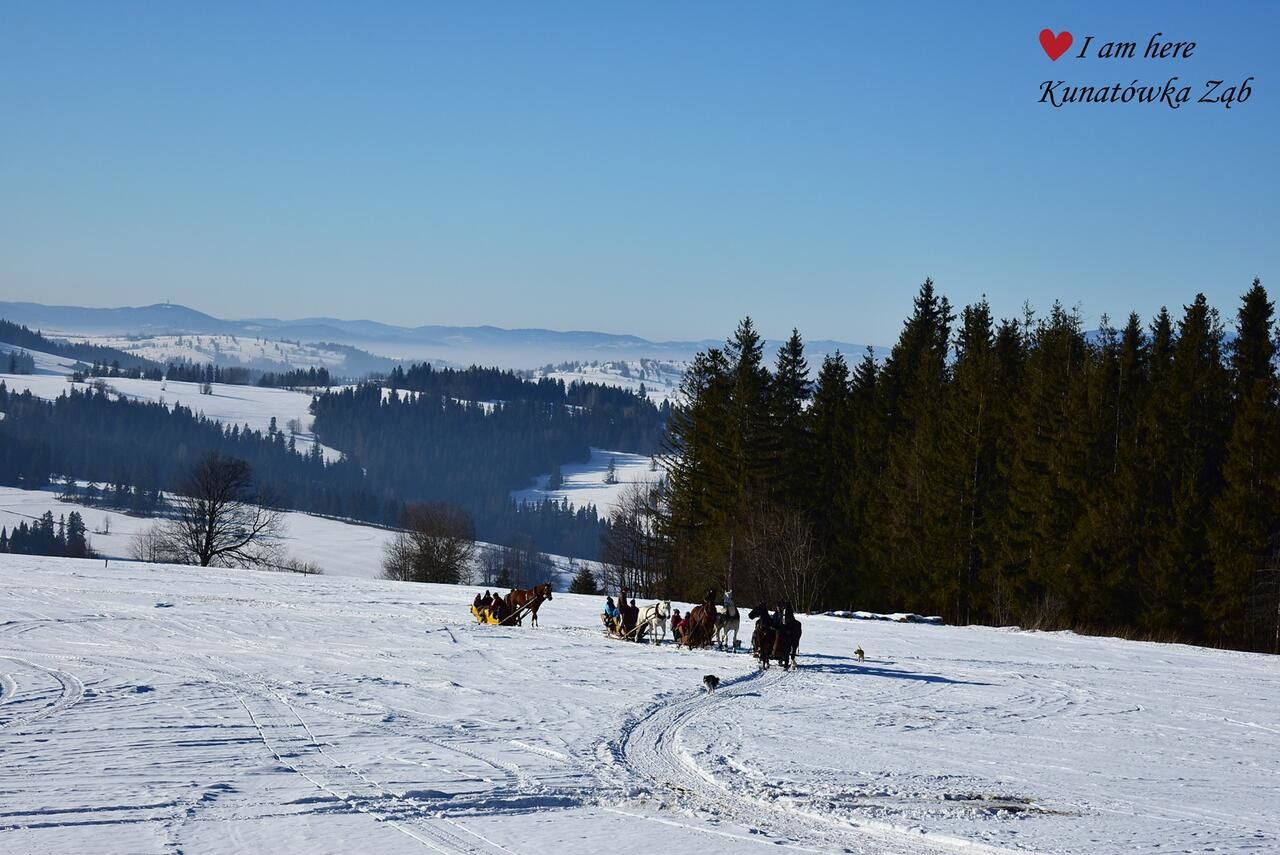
[[647, 167]]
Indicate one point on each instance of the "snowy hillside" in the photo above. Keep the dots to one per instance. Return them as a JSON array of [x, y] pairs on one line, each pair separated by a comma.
[[222, 350], [45, 363], [660, 378], [249, 351], [233, 405], [147, 709], [586, 483]]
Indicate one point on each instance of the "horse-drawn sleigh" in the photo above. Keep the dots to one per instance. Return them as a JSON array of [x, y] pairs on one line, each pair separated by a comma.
[[705, 624], [511, 610], [776, 636], [629, 622]]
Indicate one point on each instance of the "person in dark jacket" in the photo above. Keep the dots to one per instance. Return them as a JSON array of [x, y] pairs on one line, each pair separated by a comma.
[[629, 615], [677, 625]]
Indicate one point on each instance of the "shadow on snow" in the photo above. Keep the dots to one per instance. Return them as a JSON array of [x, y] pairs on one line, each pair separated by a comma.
[[848, 665]]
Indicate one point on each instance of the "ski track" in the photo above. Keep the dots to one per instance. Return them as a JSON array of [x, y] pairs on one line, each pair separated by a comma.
[[291, 741], [154, 710]]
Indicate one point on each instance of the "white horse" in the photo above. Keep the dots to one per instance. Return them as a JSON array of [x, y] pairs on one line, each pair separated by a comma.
[[727, 623], [653, 621]]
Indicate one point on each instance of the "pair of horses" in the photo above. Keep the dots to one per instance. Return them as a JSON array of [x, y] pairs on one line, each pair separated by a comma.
[[776, 637], [707, 623]]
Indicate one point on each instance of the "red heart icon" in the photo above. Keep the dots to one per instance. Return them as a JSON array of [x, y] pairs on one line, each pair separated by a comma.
[[1055, 46]]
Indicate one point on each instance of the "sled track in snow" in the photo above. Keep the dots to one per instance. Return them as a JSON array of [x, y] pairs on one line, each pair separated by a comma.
[[70, 693], [649, 748]]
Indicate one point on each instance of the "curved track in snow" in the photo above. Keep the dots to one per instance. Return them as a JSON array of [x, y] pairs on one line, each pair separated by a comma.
[[70, 691], [653, 749]]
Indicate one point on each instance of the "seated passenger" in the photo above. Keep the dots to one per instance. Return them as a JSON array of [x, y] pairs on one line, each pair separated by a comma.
[[609, 616]]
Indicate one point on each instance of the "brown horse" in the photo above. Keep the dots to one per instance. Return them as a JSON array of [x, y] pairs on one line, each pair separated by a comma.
[[699, 627], [531, 597]]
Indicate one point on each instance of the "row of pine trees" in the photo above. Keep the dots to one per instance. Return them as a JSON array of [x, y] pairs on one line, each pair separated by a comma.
[[1015, 472], [67, 538]]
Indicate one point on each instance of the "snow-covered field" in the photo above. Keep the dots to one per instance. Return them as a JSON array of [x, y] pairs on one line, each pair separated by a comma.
[[240, 405], [584, 483], [149, 709]]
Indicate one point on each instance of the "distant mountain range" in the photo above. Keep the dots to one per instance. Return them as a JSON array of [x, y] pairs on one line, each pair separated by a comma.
[[489, 345]]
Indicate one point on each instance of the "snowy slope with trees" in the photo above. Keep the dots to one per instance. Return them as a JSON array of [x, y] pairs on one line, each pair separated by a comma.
[[255, 406], [660, 378], [154, 709], [336, 547]]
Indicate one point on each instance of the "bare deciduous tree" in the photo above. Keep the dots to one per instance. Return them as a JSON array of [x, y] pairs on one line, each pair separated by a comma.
[[519, 564], [437, 544], [297, 565], [218, 520], [151, 545], [781, 549], [631, 550]]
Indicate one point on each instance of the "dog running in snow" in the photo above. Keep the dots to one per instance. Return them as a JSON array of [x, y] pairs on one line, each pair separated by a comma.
[[711, 682], [861, 656]]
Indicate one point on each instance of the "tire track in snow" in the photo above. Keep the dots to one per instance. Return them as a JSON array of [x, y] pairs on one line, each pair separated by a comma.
[[649, 748]]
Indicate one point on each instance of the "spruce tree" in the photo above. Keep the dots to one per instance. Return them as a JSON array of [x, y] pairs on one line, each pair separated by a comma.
[[698, 474], [828, 471], [1044, 475], [1106, 548], [584, 582], [1245, 527], [1191, 402], [858, 507], [911, 385], [788, 440], [961, 458], [745, 443]]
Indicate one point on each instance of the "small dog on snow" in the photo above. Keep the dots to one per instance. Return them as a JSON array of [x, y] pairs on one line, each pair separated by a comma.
[[710, 682], [861, 656]]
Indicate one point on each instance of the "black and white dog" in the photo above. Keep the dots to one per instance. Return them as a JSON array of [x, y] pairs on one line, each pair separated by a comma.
[[711, 682]]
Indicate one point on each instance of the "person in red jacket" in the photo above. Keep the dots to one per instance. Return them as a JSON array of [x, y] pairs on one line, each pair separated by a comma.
[[677, 625]]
